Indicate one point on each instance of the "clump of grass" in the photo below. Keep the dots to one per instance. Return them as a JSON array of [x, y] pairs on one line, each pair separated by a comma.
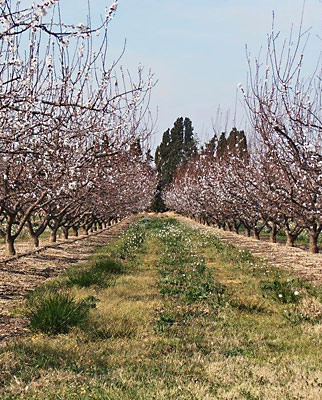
[[110, 266], [248, 305], [284, 291], [101, 273], [57, 313], [308, 309]]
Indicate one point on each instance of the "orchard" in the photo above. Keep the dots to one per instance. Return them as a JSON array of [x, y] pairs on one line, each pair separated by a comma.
[[70, 124], [276, 183]]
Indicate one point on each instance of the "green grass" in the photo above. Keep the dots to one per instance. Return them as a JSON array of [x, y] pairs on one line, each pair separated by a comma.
[[55, 313], [101, 272], [187, 317]]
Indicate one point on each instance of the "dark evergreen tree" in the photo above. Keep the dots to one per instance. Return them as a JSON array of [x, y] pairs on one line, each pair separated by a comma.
[[210, 147], [235, 144], [189, 145], [221, 147], [136, 149], [177, 146]]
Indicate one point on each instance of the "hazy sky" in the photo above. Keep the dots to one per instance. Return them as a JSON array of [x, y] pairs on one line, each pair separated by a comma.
[[196, 48]]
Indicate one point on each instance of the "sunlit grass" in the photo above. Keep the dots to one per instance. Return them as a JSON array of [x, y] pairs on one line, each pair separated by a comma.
[[187, 318]]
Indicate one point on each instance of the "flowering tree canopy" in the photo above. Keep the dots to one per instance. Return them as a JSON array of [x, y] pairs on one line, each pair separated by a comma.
[[277, 183], [68, 122]]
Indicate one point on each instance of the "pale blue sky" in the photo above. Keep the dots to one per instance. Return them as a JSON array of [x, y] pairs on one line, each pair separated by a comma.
[[196, 48]]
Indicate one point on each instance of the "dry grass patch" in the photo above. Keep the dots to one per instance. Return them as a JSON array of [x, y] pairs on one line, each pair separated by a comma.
[[188, 319]]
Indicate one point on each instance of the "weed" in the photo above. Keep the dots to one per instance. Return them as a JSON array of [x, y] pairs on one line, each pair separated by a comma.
[[101, 273], [284, 291], [309, 310], [248, 305], [165, 320], [56, 313]]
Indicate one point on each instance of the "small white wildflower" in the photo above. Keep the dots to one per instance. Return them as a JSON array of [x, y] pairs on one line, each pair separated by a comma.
[[280, 295], [296, 293]]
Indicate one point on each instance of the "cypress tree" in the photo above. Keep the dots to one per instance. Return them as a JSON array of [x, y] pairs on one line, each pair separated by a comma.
[[189, 145], [210, 147], [222, 146], [235, 144], [177, 146]]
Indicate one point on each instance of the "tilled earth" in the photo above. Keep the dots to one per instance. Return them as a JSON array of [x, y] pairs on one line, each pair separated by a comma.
[[19, 275], [301, 262]]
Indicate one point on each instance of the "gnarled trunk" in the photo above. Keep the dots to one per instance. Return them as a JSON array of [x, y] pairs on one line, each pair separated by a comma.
[[291, 237], [35, 240], [314, 235], [256, 234], [236, 227], [230, 226], [314, 243], [10, 248], [65, 232], [53, 235], [273, 233]]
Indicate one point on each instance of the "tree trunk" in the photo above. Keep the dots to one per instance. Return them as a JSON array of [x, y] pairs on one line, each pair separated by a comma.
[[273, 233], [75, 230], [10, 250], [248, 231], [314, 235], [314, 243], [256, 234], [35, 239], [65, 232], [53, 235], [290, 239]]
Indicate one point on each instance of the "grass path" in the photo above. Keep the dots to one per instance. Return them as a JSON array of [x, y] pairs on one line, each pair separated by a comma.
[[178, 315]]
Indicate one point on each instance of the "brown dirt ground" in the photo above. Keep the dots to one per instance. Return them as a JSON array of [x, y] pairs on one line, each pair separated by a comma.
[[304, 264], [25, 272]]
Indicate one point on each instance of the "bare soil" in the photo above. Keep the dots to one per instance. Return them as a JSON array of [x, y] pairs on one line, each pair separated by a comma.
[[23, 273], [304, 264]]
